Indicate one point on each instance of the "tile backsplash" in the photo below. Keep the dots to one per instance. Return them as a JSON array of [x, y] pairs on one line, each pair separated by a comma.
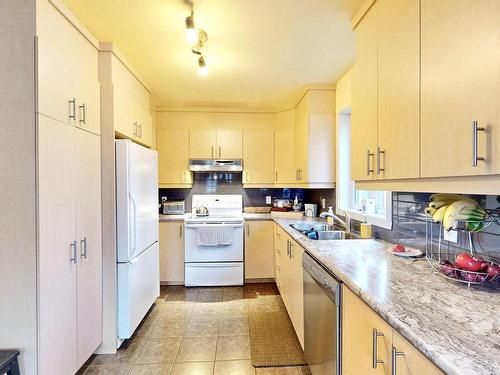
[[230, 183], [409, 225]]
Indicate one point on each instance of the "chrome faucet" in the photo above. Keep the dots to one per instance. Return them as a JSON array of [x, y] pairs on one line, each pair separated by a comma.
[[346, 223]]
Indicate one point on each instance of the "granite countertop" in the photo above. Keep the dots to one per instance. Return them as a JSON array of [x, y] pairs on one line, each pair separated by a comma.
[[456, 327]]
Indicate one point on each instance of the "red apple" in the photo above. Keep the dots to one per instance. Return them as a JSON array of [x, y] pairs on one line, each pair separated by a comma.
[[398, 248], [493, 270], [467, 262]]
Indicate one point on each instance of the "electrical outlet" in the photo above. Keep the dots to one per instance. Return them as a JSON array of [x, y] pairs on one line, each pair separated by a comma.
[[450, 235], [268, 199], [163, 199]]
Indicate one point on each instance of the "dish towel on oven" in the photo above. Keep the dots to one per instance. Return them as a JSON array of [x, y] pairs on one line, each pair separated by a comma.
[[214, 235]]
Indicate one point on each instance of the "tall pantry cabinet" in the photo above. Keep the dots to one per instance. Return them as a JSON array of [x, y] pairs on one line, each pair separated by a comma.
[[69, 194]]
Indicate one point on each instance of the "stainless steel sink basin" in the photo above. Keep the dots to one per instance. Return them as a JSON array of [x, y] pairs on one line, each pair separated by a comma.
[[310, 227], [323, 232], [333, 235]]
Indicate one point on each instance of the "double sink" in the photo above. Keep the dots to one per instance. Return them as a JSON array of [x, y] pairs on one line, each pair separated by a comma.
[[323, 232]]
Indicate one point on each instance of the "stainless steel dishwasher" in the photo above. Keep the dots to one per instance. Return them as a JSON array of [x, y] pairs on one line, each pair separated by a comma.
[[322, 318]]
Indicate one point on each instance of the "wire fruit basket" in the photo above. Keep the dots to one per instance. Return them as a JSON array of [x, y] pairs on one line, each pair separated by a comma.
[[442, 253]]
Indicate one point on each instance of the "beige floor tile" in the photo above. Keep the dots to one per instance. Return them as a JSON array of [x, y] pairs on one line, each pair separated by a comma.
[[206, 310], [233, 294], [233, 326], [202, 328], [209, 297], [233, 347], [276, 371], [167, 328], [193, 368], [175, 309], [106, 370], [242, 367], [197, 349], [158, 351], [154, 369], [233, 309], [212, 289], [125, 355]]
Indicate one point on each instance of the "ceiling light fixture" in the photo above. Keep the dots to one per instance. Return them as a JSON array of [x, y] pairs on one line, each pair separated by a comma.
[[191, 32], [197, 38], [202, 67]]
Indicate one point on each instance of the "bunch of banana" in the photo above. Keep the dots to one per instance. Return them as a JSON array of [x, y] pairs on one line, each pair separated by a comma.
[[447, 208]]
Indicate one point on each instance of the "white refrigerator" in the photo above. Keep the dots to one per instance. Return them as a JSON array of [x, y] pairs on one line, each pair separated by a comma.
[[138, 280]]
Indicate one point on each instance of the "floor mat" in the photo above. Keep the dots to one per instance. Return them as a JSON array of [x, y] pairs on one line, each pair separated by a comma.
[[272, 337]]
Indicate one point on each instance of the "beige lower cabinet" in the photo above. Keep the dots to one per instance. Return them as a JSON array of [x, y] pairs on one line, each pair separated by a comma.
[[288, 255], [370, 345], [259, 245], [278, 257], [172, 253]]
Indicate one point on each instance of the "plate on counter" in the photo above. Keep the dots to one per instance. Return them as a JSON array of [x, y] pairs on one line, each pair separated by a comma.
[[409, 252]]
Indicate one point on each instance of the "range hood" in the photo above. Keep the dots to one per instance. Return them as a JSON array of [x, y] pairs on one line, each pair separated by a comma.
[[215, 165]]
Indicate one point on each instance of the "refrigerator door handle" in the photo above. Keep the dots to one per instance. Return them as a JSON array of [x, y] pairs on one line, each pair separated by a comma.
[[134, 227]]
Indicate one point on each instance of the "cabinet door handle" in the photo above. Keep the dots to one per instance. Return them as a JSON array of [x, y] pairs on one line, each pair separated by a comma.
[[375, 335], [369, 155], [72, 109], [394, 357], [220, 152], [475, 129], [83, 248], [72, 252], [291, 250], [276, 176], [180, 230], [248, 230], [212, 151], [135, 128], [82, 114], [379, 169]]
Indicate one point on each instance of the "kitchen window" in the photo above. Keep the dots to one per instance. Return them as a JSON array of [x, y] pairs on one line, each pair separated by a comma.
[[373, 206]]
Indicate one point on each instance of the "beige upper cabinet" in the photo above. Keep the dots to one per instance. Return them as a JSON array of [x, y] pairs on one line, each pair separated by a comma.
[[460, 85], [258, 157], [385, 93], [284, 156], [313, 139], [259, 249], [218, 144], [202, 144], [229, 144], [397, 155], [67, 58], [173, 157]]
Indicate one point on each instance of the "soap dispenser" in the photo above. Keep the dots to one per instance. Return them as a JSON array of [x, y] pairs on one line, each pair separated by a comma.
[[296, 201], [329, 220]]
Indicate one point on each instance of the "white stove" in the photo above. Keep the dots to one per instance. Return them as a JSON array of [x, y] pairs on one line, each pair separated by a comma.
[[214, 244]]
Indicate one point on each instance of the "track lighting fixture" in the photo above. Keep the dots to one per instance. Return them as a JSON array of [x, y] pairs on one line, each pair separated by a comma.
[[202, 67], [197, 38]]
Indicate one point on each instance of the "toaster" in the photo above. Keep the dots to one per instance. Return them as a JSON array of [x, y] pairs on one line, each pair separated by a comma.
[[173, 208]]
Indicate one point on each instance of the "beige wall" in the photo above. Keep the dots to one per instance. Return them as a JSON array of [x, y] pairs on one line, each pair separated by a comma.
[[343, 93], [18, 261]]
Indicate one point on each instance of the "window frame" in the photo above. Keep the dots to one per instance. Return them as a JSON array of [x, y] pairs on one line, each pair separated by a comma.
[[345, 191]]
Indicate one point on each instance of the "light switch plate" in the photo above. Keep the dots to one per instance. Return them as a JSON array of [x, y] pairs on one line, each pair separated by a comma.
[[268, 199], [451, 235]]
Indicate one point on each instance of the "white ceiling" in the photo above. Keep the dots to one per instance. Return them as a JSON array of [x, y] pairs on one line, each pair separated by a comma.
[[260, 52]]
